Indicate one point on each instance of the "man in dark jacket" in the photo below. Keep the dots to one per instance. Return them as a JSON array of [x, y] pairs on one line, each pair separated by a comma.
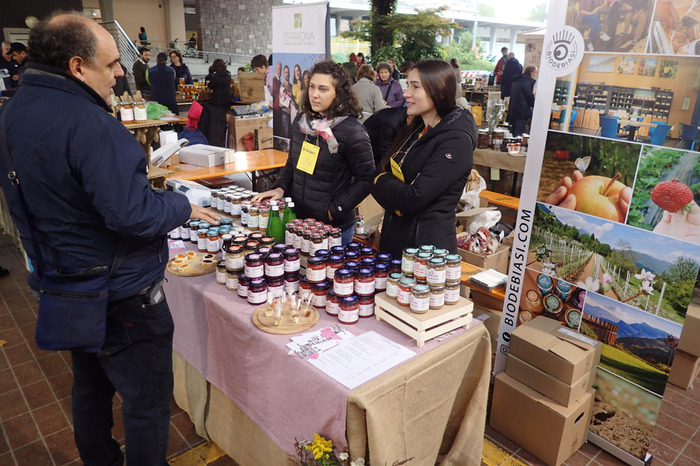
[[8, 63], [163, 83], [83, 176], [522, 100], [512, 69], [140, 68]]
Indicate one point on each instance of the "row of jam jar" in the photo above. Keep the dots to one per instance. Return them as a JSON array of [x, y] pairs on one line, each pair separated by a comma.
[[207, 237], [223, 200], [432, 266], [310, 236]]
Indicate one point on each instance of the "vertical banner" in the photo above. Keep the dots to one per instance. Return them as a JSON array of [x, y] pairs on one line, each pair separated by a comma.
[[299, 39], [608, 232]]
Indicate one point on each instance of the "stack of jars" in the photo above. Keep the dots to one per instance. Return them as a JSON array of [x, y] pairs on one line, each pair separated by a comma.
[[207, 237], [311, 236], [230, 200], [343, 280], [429, 279]]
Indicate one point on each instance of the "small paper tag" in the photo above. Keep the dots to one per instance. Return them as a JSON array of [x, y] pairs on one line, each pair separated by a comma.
[[396, 170], [495, 174], [308, 157]]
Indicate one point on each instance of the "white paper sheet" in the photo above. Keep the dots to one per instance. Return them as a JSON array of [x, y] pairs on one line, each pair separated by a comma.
[[362, 358]]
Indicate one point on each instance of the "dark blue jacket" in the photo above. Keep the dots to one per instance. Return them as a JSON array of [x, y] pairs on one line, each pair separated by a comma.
[[163, 84], [522, 98], [84, 179]]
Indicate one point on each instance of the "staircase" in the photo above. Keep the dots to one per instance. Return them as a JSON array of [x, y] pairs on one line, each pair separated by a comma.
[[127, 50]]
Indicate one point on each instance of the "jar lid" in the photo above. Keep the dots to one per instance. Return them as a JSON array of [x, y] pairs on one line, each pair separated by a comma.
[[344, 273], [260, 281], [263, 250], [324, 285], [291, 276], [221, 264], [396, 276], [381, 267], [202, 230], [410, 251], [453, 257], [226, 236], [421, 288], [338, 250], [317, 235], [289, 252], [323, 253], [365, 251], [352, 265], [383, 257], [253, 257], [251, 244], [280, 247], [242, 279], [330, 293], [407, 281], [354, 246], [335, 258], [212, 233], [437, 260], [440, 252], [365, 272], [256, 235], [349, 300], [368, 261], [226, 221], [437, 288], [267, 240], [315, 260], [274, 256], [427, 247], [396, 263]]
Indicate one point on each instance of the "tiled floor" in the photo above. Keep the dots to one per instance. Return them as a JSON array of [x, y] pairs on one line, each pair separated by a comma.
[[35, 401]]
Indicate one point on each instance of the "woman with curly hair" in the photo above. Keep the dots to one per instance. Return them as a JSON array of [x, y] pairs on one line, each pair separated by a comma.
[[330, 165]]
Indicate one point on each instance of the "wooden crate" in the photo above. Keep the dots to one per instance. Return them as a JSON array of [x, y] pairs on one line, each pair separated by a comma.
[[423, 327]]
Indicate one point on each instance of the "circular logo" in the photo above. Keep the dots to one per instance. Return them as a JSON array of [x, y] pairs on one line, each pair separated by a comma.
[[564, 50]]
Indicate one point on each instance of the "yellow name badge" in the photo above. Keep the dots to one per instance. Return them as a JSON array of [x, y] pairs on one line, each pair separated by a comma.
[[308, 157], [396, 170]]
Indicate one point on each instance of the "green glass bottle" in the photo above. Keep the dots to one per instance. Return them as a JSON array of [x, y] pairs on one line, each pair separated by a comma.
[[274, 225], [289, 213]]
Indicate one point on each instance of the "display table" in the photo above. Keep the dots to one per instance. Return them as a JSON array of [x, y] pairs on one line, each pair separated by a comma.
[[246, 394], [502, 160]]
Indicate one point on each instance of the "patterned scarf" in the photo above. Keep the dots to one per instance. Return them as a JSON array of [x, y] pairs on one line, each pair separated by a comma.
[[315, 123]]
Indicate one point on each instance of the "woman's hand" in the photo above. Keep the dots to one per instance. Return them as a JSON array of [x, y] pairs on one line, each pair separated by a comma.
[[559, 196], [273, 195], [204, 214]]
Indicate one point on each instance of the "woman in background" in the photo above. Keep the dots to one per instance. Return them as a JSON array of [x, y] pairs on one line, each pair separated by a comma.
[[368, 94], [181, 70], [392, 94], [219, 81], [424, 175], [330, 185]]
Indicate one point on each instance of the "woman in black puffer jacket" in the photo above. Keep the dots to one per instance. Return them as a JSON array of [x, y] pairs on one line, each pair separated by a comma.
[[329, 188], [431, 160]]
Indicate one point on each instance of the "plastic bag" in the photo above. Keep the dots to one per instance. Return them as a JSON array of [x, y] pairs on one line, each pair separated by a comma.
[[470, 194], [155, 110]]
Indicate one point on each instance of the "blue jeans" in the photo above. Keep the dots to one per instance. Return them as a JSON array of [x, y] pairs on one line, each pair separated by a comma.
[[347, 235], [136, 361]]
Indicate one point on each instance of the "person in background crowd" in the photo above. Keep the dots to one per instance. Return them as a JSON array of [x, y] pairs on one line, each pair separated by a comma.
[[122, 84], [143, 37], [19, 54], [361, 59], [140, 68], [421, 181], [286, 104], [328, 187], [8, 63], [163, 83], [512, 69], [260, 65], [458, 75], [192, 43], [219, 81], [522, 100], [500, 64], [297, 87], [351, 69], [392, 94], [181, 70], [87, 194], [394, 69], [367, 92], [353, 58]]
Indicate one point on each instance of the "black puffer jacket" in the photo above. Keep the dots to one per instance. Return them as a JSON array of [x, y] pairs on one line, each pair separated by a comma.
[[522, 98], [220, 85], [435, 170], [382, 127], [339, 182]]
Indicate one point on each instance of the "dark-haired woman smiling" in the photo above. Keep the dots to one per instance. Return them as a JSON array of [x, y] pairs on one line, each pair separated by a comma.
[[427, 168]]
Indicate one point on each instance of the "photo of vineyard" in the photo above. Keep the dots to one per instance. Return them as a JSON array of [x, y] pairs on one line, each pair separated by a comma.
[[666, 193], [650, 272]]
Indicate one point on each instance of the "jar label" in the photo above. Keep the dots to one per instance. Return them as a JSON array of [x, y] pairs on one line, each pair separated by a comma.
[[221, 277], [242, 291], [262, 222], [127, 114], [453, 273], [332, 308], [334, 242], [380, 282], [175, 233], [452, 296], [292, 265], [276, 290], [419, 304], [391, 289], [319, 300], [274, 270], [407, 266], [364, 288], [437, 299], [346, 316], [257, 297], [315, 276], [185, 232], [330, 272], [289, 237], [403, 297], [140, 113], [231, 283], [235, 209], [253, 222], [220, 203], [212, 245], [234, 263], [291, 287], [202, 244], [296, 241], [227, 207], [366, 310], [193, 235], [305, 245], [420, 270], [436, 277], [244, 218], [254, 272], [304, 292], [343, 289]]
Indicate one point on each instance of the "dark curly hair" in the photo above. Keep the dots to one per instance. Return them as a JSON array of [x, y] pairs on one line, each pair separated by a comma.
[[219, 65], [345, 103], [55, 43]]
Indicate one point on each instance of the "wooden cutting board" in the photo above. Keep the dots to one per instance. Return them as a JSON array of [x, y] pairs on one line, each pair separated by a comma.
[[192, 264], [288, 327]]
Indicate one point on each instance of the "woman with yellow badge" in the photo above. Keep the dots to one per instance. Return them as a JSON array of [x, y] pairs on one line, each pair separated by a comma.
[[426, 169], [330, 166]]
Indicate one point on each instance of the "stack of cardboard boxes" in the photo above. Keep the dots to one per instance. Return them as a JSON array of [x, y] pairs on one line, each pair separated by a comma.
[[543, 399], [686, 362]]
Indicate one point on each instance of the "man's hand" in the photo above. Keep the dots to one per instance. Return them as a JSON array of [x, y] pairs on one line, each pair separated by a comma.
[[204, 214]]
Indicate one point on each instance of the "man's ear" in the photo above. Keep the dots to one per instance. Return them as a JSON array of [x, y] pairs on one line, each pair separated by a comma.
[[75, 67]]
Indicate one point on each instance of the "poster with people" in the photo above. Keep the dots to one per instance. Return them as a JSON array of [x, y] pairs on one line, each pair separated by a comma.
[[608, 232], [299, 39]]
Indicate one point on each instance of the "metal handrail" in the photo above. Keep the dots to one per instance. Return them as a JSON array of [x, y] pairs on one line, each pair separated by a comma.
[[127, 50]]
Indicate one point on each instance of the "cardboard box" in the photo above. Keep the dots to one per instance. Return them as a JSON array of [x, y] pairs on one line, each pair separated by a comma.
[[685, 369], [202, 155], [557, 350], [263, 138], [690, 335], [238, 127], [497, 261], [252, 86], [543, 383], [546, 429]]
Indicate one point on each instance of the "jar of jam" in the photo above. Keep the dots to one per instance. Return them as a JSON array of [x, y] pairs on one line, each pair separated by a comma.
[[578, 298], [395, 266], [226, 222], [352, 265], [553, 304], [194, 228], [403, 296], [306, 242], [544, 283], [533, 302], [319, 291], [268, 241], [264, 250], [364, 282], [408, 260], [185, 231], [325, 253], [257, 291], [354, 246], [453, 272], [572, 318], [316, 243], [304, 287], [226, 242], [253, 218], [279, 247], [292, 261], [291, 282], [340, 250], [335, 238], [242, 286], [240, 240], [381, 273], [202, 240], [525, 316], [437, 271], [245, 207], [274, 265], [349, 312], [352, 256], [420, 266], [175, 233], [221, 272], [254, 266], [213, 241], [213, 194], [333, 263], [228, 199], [383, 258], [367, 252], [365, 306], [275, 285], [298, 237], [231, 280], [368, 262], [564, 290], [419, 302], [316, 269], [250, 247], [452, 292], [263, 217], [392, 284], [236, 206], [343, 282], [220, 201], [426, 248], [440, 253], [332, 303], [483, 141], [437, 296]]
